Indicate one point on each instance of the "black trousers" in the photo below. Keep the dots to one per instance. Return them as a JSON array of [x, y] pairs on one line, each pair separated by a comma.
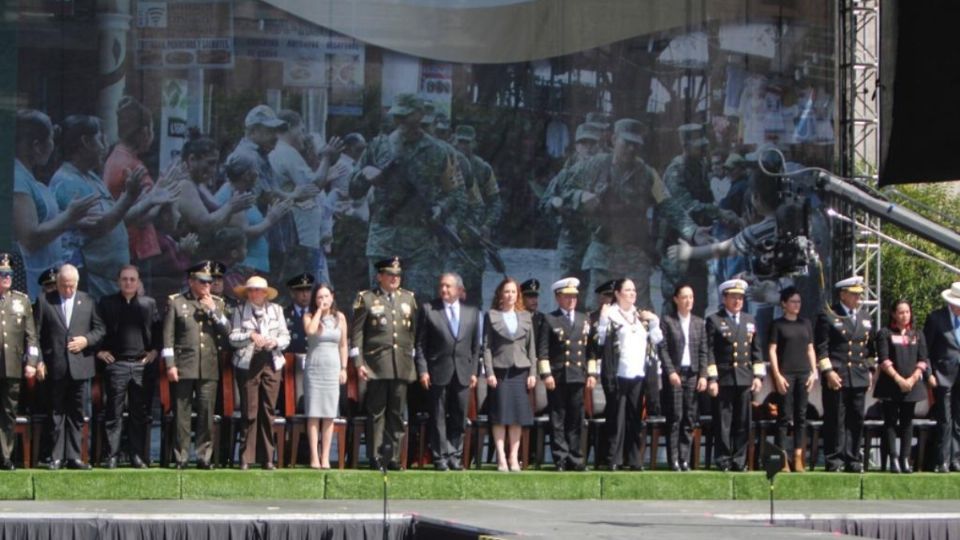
[[129, 383], [947, 413], [793, 411], [9, 397], [735, 412], [386, 400], [65, 422], [566, 423], [626, 424], [680, 409], [200, 396], [897, 423], [843, 412], [448, 420]]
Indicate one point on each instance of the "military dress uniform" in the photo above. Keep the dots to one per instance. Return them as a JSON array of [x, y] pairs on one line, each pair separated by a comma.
[[383, 341], [569, 362], [19, 340], [192, 342], [294, 314], [734, 359], [845, 344]]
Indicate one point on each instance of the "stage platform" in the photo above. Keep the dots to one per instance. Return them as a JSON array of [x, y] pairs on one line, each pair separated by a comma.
[[455, 520], [307, 484]]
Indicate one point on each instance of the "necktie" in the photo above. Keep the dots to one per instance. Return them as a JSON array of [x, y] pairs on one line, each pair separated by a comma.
[[454, 324], [67, 310], [956, 328], [570, 317]]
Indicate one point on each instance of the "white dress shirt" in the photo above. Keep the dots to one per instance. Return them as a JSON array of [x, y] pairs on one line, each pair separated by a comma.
[[685, 326]]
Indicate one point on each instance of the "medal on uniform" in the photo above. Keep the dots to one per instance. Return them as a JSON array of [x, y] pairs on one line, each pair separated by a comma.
[[405, 308], [17, 306]]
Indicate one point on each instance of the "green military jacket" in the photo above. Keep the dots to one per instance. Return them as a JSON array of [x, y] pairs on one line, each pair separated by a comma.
[[421, 186], [689, 186], [483, 193], [19, 334], [193, 337], [383, 333]]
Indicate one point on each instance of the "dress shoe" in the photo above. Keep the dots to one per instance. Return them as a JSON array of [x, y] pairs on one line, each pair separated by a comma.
[[137, 463], [110, 463], [244, 466], [561, 466], [393, 466], [440, 466], [941, 468], [181, 465], [8, 466], [684, 466], [78, 465], [675, 466], [895, 465], [204, 465], [456, 465], [736, 467], [269, 466], [55, 464], [638, 467], [832, 467], [855, 467], [905, 466], [724, 467], [955, 466], [615, 468], [577, 466]]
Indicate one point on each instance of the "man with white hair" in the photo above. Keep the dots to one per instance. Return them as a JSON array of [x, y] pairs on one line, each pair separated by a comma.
[[70, 330], [942, 333]]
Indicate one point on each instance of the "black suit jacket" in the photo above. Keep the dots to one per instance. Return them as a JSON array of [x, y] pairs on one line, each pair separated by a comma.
[[671, 348], [440, 354], [847, 348], [568, 348], [109, 311], [54, 334], [733, 351], [942, 346]]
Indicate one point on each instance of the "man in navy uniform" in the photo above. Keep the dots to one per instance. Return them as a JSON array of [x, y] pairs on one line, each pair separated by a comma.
[[565, 370], [735, 370], [530, 289], [300, 288], [845, 348]]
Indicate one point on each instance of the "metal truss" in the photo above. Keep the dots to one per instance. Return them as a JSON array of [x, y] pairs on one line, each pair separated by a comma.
[[859, 30]]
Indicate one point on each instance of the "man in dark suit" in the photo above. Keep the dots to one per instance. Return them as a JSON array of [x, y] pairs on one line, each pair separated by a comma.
[[942, 333], [383, 348], [129, 348], [735, 370], [565, 370], [70, 330], [17, 342], [844, 342], [683, 354], [300, 287], [530, 290], [448, 355]]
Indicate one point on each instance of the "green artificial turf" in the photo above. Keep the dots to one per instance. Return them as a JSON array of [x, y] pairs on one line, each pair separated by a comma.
[[698, 485], [17, 485], [810, 485], [253, 484], [103, 484], [880, 486]]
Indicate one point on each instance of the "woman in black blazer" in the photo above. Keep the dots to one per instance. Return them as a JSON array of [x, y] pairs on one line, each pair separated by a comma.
[[902, 360], [509, 360]]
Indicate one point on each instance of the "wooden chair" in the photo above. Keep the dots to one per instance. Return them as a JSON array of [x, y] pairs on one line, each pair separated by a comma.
[[298, 421]]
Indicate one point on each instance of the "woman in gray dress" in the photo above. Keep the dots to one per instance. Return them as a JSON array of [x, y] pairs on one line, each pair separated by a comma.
[[325, 369]]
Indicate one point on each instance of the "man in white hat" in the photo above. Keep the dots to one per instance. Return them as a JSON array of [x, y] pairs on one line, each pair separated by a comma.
[[942, 333], [735, 370], [565, 370], [847, 359]]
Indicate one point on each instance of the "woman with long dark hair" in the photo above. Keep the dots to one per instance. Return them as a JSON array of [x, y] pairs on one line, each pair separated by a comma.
[[628, 338], [509, 359], [901, 360], [325, 369]]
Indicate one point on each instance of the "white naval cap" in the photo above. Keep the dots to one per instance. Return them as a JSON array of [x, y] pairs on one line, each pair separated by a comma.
[[733, 286], [851, 284], [569, 285]]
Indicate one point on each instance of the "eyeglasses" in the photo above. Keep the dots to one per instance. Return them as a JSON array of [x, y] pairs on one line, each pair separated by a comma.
[[4, 275]]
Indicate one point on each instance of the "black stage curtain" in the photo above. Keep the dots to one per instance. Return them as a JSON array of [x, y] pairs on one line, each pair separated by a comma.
[[883, 529], [920, 91]]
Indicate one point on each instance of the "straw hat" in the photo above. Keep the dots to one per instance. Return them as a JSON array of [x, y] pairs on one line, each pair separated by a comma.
[[255, 282]]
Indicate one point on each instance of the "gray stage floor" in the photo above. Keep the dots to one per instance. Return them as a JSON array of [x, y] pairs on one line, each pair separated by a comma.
[[667, 520]]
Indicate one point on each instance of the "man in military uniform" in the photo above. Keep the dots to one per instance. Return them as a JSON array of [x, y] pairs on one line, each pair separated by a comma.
[[48, 280], [601, 123], [300, 288], [194, 330], [19, 341], [845, 347], [605, 295], [416, 189], [734, 370], [383, 340], [482, 213], [586, 143], [565, 370], [530, 290], [612, 194], [688, 179]]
